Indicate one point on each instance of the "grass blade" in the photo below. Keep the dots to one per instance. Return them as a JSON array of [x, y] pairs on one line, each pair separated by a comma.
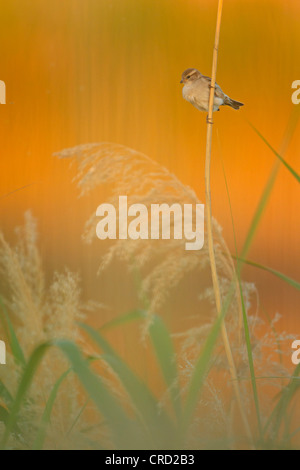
[[4, 415], [282, 276], [5, 394], [280, 410], [156, 420], [79, 414], [123, 320], [13, 340], [202, 364], [163, 347], [125, 432], [26, 380], [291, 127], [166, 357], [45, 421], [287, 165], [16, 190]]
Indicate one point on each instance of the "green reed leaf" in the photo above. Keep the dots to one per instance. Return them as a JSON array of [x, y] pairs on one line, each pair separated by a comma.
[[165, 353], [13, 340], [156, 421], [46, 418], [282, 276]]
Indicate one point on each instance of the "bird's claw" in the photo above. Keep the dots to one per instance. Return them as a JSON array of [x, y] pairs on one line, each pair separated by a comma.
[[209, 121]]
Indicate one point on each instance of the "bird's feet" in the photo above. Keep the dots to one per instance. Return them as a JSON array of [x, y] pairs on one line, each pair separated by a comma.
[[209, 121]]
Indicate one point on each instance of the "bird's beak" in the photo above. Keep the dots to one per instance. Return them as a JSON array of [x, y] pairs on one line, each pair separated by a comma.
[[181, 81]]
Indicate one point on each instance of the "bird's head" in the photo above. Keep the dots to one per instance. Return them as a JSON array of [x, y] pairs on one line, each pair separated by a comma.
[[190, 75]]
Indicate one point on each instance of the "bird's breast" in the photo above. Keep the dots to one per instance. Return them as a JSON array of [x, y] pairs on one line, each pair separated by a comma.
[[186, 92], [199, 100]]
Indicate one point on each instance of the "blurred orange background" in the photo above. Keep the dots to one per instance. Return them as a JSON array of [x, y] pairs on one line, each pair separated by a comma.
[[109, 70]]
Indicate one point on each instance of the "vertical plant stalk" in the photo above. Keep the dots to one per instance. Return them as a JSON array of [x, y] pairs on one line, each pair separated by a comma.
[[208, 211]]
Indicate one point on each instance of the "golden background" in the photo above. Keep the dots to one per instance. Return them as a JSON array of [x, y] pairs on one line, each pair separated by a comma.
[[82, 71]]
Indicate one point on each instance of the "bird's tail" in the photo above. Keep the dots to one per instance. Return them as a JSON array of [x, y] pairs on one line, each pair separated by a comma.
[[234, 104]]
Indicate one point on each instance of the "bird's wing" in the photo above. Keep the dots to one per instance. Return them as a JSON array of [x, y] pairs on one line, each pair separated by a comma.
[[218, 91]]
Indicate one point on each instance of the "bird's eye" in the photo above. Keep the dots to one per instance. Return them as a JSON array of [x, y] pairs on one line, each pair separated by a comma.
[[188, 77]]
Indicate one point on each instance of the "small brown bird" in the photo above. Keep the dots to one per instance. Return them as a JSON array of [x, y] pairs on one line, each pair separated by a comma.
[[197, 88]]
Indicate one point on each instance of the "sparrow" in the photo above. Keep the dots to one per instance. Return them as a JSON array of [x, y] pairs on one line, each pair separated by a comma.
[[197, 88]]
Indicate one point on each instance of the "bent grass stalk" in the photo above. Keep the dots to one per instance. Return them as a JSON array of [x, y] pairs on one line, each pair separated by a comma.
[[215, 280], [290, 130], [16, 190]]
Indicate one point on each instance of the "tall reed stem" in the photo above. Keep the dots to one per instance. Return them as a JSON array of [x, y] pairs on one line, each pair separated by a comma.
[[212, 258]]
